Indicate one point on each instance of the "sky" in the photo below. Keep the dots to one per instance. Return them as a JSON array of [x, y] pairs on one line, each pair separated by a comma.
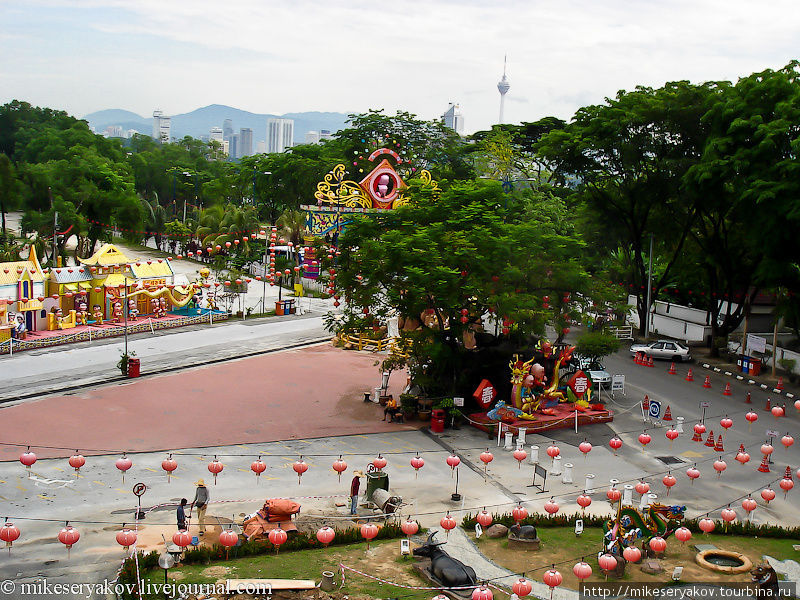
[[270, 56]]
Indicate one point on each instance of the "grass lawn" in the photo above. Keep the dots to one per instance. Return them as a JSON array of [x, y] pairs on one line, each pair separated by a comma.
[[561, 544]]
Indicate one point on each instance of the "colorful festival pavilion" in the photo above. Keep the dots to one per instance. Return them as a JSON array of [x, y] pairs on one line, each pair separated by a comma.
[[22, 291]]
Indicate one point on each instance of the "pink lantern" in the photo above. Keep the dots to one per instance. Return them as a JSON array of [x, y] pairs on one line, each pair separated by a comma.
[[228, 538], [300, 467], [777, 411], [169, 465], [726, 422], [482, 593], [585, 447], [340, 466], [668, 481], [642, 488], [69, 536], [486, 457], [786, 485], [728, 514], [632, 554], [76, 461], [553, 578], [693, 473], [126, 537], [749, 504], [767, 449], [379, 462], [658, 544], [453, 461], [369, 531], [325, 535], [258, 467], [551, 507], [682, 534], [615, 443], [447, 523], [553, 451], [9, 534], [277, 537], [584, 501], [522, 587], [768, 494], [706, 525], [607, 562], [672, 434], [720, 466], [797, 404], [742, 457], [123, 464], [519, 513], [215, 467], [787, 441], [417, 463], [520, 455], [27, 458], [644, 439], [409, 527], [751, 417], [582, 570], [613, 495], [699, 428], [484, 518]]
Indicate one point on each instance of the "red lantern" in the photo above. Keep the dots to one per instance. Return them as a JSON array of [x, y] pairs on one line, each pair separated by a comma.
[[767, 449], [728, 514], [126, 537], [486, 457], [672, 434], [613, 495], [453, 461], [607, 562], [668, 481], [520, 455], [258, 467], [768, 494], [582, 570], [379, 462], [484, 518], [215, 467], [369, 531], [553, 451], [76, 461], [447, 523], [658, 544], [720, 466], [69, 536], [123, 464], [632, 554], [692, 473], [615, 443], [552, 578], [409, 527], [417, 462], [682, 534], [742, 456], [787, 441], [339, 466], [706, 525], [551, 507], [9, 534], [642, 488], [482, 593], [699, 428], [522, 587], [169, 465], [777, 411], [27, 458], [519, 513], [325, 535], [228, 538], [300, 467], [585, 447], [644, 439], [749, 504], [277, 537], [726, 423], [786, 485], [584, 501], [751, 417]]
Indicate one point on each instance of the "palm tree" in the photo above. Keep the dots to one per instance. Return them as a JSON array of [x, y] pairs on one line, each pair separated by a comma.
[[292, 224]]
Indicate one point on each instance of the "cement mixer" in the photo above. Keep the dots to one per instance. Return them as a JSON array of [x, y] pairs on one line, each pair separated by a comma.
[[378, 493]]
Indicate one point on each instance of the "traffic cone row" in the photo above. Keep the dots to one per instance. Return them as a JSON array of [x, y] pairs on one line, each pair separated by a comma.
[[764, 466], [719, 447], [672, 369], [639, 358], [710, 439], [650, 362], [727, 390], [667, 414], [780, 384], [707, 382], [689, 376]]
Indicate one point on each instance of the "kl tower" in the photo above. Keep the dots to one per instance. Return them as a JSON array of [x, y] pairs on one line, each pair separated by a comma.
[[503, 86]]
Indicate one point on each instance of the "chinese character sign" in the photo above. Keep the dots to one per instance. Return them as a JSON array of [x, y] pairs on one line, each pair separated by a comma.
[[579, 383]]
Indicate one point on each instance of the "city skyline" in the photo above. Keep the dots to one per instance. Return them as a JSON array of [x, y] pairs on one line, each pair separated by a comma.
[[86, 55]]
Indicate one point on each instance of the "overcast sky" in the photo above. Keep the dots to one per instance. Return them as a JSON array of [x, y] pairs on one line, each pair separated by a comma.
[[270, 56]]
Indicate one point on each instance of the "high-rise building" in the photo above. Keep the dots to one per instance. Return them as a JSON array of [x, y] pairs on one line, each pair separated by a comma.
[[280, 135], [312, 137], [227, 129], [453, 118], [261, 147], [161, 127], [113, 131], [233, 144], [503, 86], [215, 134], [245, 146], [325, 134]]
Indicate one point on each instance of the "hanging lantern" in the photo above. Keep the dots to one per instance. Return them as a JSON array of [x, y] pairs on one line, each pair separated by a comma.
[[9, 533], [553, 578], [584, 501], [786, 485], [69, 536], [417, 462], [683, 535], [551, 507], [672, 435], [169, 465], [277, 537], [409, 527], [658, 544], [742, 456], [215, 467], [27, 458], [447, 523], [553, 451], [484, 518], [585, 447], [368, 532], [615, 443], [642, 488], [522, 587], [453, 461], [123, 464], [668, 481], [126, 537], [749, 504], [751, 417], [726, 423], [777, 411], [720, 466], [644, 439], [486, 457], [379, 462], [787, 441], [613, 495], [768, 494], [767, 449], [582, 570], [482, 593], [699, 428], [325, 535], [300, 467], [692, 473], [258, 467], [607, 563], [76, 461], [706, 525], [520, 455], [339, 466], [728, 514], [228, 538], [519, 513], [632, 554]]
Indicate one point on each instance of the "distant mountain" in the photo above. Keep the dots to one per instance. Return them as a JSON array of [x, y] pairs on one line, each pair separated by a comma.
[[199, 122]]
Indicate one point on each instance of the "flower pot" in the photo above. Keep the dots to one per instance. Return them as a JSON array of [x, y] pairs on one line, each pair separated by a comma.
[[424, 415]]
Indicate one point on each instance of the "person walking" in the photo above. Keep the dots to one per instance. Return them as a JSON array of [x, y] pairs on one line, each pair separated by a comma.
[[181, 513], [355, 485], [201, 503]]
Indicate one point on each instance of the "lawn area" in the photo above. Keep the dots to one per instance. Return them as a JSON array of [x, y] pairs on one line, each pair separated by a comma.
[[384, 561], [561, 544]]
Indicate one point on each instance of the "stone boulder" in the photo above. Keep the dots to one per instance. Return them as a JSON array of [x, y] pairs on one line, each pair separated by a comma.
[[496, 531], [652, 566]]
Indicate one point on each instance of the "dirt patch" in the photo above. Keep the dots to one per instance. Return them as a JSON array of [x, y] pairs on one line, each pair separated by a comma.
[[215, 571]]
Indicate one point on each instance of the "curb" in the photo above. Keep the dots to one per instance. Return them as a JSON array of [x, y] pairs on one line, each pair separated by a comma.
[[763, 386]]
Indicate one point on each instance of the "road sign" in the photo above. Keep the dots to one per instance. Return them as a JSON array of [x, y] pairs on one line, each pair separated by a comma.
[[655, 409], [756, 343], [458, 402], [705, 404], [618, 383], [772, 433]]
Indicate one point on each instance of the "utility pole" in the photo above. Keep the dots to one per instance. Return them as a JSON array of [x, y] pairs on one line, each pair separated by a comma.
[[55, 228], [649, 290]]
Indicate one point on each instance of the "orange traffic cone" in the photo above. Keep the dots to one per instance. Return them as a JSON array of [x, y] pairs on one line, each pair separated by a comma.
[[768, 405], [727, 390], [710, 439], [667, 414], [697, 437], [707, 382], [646, 403], [672, 369], [637, 358], [747, 399], [741, 448], [764, 466], [780, 384], [689, 376], [650, 362], [788, 473], [719, 447]]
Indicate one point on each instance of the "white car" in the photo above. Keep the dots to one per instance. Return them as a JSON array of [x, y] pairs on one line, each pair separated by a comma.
[[596, 371], [665, 349]]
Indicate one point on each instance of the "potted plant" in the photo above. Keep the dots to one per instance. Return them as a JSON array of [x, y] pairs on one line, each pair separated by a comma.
[[122, 365], [424, 409], [408, 405]]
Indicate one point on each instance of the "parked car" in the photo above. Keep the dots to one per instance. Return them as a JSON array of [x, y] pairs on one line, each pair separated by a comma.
[[596, 371], [664, 349]]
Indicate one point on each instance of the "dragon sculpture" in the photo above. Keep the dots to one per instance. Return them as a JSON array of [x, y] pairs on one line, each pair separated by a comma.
[[528, 391], [631, 524]]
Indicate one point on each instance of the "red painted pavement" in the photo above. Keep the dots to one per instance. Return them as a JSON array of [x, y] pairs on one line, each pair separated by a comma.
[[306, 393]]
